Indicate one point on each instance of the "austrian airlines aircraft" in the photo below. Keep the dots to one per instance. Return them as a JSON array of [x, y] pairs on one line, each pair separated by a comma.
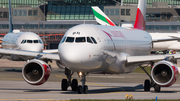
[[89, 49], [158, 39]]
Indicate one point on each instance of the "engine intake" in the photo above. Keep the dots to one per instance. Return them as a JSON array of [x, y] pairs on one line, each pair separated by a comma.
[[164, 73], [36, 72]]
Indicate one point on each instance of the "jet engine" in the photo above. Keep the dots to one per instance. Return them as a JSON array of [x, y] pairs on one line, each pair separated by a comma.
[[164, 73], [36, 72]]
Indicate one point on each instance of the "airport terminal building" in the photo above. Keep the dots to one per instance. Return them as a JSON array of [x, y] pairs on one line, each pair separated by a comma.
[[52, 18]]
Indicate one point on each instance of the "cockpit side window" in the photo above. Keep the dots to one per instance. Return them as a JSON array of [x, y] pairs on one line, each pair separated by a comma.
[[63, 39], [94, 40], [70, 39], [80, 39], [23, 41], [29, 41], [89, 40], [40, 41]]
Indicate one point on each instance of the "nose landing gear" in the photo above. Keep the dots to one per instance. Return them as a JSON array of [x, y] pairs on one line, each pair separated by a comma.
[[83, 88]]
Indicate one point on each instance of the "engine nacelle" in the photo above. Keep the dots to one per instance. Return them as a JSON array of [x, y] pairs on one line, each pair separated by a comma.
[[164, 73], [36, 72]]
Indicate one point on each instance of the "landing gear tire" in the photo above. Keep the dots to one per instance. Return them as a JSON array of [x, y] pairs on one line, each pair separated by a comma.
[[147, 85], [157, 88], [85, 89], [64, 85], [79, 90], [74, 85]]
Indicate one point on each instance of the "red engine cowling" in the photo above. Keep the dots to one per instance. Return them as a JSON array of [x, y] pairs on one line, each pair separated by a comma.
[[164, 73], [36, 72]]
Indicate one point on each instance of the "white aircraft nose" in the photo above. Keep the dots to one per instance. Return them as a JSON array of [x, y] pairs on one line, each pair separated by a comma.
[[33, 47], [72, 54]]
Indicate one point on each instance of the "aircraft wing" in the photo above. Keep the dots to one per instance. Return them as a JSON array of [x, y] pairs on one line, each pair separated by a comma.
[[39, 55], [51, 51], [162, 40], [145, 58]]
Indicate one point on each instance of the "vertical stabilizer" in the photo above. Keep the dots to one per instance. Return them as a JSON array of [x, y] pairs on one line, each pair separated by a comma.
[[140, 22], [10, 18], [101, 18]]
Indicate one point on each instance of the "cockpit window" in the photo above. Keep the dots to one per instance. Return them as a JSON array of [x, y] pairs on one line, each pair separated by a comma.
[[89, 40], [94, 40], [80, 39], [63, 39], [24, 41], [35, 41], [29, 41], [40, 41], [70, 39]]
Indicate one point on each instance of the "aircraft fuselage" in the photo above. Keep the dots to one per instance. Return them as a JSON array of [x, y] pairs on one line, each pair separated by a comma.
[[79, 52]]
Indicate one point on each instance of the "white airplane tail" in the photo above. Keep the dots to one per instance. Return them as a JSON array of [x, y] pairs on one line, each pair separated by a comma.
[[140, 22], [100, 17]]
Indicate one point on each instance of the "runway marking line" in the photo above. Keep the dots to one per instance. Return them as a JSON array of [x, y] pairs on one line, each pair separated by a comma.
[[59, 76]]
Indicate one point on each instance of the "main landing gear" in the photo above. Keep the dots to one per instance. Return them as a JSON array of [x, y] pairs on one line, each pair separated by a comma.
[[74, 84], [148, 84], [67, 82]]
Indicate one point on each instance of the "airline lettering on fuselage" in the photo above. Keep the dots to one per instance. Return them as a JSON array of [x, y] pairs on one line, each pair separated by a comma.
[[76, 33], [117, 34]]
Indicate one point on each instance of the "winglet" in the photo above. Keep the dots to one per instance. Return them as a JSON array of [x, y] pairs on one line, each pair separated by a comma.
[[140, 22], [101, 18], [10, 18]]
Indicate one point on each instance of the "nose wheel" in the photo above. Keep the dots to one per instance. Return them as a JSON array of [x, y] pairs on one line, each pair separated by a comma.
[[83, 88]]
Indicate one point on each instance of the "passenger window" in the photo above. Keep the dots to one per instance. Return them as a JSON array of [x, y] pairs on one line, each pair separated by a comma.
[[29, 41], [70, 39], [89, 40], [63, 39], [80, 39], [36, 41], [94, 40]]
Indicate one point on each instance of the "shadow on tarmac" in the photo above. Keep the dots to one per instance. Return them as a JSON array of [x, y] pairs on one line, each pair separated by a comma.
[[115, 89]]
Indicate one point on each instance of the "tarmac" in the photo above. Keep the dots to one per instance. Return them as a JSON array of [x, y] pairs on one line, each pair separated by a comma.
[[14, 88]]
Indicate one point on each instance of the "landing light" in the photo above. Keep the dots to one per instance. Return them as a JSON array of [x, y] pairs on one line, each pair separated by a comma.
[[80, 73]]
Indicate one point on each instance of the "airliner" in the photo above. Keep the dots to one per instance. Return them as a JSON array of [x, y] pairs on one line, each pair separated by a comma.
[[88, 48], [28, 41], [159, 44]]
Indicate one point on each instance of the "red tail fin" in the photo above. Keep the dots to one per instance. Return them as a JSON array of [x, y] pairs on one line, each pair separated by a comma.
[[140, 22]]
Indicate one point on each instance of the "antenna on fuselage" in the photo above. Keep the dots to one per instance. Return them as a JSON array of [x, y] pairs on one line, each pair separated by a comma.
[[10, 19]]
